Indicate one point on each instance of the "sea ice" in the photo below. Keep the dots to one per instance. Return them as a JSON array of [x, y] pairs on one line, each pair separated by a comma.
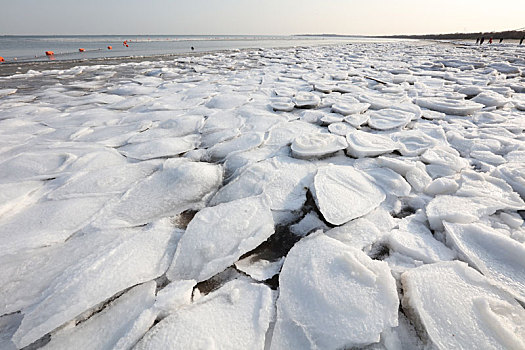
[[317, 145], [130, 256], [389, 118], [496, 256], [119, 326], [180, 185], [332, 296], [236, 316], [283, 180], [343, 193], [364, 144], [458, 308], [217, 236], [449, 106]]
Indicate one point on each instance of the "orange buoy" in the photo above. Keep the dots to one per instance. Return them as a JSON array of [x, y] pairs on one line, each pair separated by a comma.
[[81, 50], [2, 59], [49, 53], [110, 47], [127, 45]]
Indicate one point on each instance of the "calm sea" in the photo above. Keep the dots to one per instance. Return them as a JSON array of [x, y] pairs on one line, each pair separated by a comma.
[[33, 48]]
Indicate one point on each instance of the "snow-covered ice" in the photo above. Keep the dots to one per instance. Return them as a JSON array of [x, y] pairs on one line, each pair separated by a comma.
[[332, 297], [177, 202], [344, 193], [458, 308], [236, 316]]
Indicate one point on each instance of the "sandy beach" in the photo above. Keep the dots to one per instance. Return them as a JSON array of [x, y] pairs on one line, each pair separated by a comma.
[[365, 195]]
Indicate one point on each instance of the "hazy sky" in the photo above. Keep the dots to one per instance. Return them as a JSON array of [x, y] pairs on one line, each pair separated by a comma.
[[257, 16]]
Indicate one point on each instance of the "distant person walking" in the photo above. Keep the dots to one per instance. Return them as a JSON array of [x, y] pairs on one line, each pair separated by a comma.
[[482, 40], [490, 40], [522, 38], [477, 41], [500, 40]]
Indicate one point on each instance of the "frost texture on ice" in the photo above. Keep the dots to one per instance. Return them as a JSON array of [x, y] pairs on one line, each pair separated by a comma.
[[495, 255], [343, 193], [180, 185], [364, 144], [131, 313], [283, 180], [236, 316], [332, 296], [218, 236], [460, 309], [130, 256], [317, 145]]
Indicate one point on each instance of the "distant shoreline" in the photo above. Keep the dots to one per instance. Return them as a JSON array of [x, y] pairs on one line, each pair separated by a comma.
[[505, 35]]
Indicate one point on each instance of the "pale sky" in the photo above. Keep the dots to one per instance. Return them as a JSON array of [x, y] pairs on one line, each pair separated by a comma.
[[272, 17]]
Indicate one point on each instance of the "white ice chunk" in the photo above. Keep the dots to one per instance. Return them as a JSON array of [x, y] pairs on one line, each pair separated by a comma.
[[364, 144], [305, 99], [48, 223], [284, 180], [217, 236], [309, 223], [514, 174], [449, 106], [110, 180], [389, 118], [119, 326], [359, 233], [414, 239], [227, 101], [343, 193], [460, 309], [491, 99], [160, 148], [259, 269], [179, 186], [315, 309], [244, 142], [442, 186], [123, 258], [317, 145], [496, 256], [236, 316], [173, 296], [350, 108]]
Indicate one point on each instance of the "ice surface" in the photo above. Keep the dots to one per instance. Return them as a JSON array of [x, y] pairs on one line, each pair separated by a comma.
[[131, 314], [283, 179], [495, 255], [47, 222], [180, 185], [160, 148], [259, 269], [317, 145], [343, 193], [364, 144], [332, 296], [236, 316], [104, 167], [218, 236], [414, 239], [389, 118], [449, 106], [129, 256], [458, 308]]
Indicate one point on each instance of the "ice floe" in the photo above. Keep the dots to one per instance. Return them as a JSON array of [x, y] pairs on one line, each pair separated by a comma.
[[458, 308], [314, 309], [236, 316], [343, 193], [218, 236]]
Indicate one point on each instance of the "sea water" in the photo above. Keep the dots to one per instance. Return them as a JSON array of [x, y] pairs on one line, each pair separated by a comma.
[[33, 48]]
